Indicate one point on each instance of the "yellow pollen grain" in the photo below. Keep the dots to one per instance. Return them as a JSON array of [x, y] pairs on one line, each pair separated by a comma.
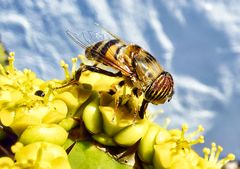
[[65, 68], [206, 152], [74, 65]]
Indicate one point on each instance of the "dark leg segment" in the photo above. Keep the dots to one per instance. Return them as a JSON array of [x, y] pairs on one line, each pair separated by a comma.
[[143, 108], [93, 68], [135, 91], [98, 70]]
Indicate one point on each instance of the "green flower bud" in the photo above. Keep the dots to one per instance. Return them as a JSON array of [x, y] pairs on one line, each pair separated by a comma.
[[58, 114], [131, 134], [162, 157], [113, 121], [74, 97], [51, 133], [82, 92], [53, 117], [70, 100], [145, 148], [92, 116], [104, 139], [68, 123], [162, 136], [60, 106]]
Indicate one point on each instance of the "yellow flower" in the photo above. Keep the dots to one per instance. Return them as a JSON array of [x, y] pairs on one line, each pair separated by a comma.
[[211, 161], [176, 149], [42, 155]]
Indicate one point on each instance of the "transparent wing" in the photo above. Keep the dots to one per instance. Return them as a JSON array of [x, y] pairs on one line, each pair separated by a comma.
[[109, 32], [86, 38], [89, 38]]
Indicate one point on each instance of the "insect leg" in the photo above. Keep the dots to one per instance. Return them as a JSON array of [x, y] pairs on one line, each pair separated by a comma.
[[99, 70], [78, 74], [136, 92], [143, 108], [83, 68], [93, 68], [74, 80]]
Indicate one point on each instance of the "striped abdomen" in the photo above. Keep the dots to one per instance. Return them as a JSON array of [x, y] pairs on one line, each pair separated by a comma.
[[109, 53]]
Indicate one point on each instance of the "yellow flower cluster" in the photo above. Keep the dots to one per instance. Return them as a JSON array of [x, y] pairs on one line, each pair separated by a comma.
[[33, 119], [39, 155], [41, 113]]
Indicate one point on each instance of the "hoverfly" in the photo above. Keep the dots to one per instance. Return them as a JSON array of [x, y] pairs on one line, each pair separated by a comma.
[[131, 61]]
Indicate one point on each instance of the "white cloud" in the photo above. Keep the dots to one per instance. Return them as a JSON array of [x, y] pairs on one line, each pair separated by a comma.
[[161, 36], [225, 16], [104, 14], [226, 81], [19, 20], [191, 84], [175, 8], [132, 22]]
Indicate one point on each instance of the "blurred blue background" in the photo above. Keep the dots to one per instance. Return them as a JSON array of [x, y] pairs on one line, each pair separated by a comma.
[[198, 41]]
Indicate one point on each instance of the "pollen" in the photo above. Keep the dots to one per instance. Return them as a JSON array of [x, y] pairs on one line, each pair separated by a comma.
[[211, 156], [11, 60], [74, 66], [65, 68], [82, 58], [186, 141]]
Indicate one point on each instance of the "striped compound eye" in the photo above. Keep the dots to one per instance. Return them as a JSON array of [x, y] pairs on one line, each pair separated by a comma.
[[161, 90]]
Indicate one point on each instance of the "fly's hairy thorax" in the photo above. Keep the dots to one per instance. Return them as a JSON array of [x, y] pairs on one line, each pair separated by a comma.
[[145, 66]]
